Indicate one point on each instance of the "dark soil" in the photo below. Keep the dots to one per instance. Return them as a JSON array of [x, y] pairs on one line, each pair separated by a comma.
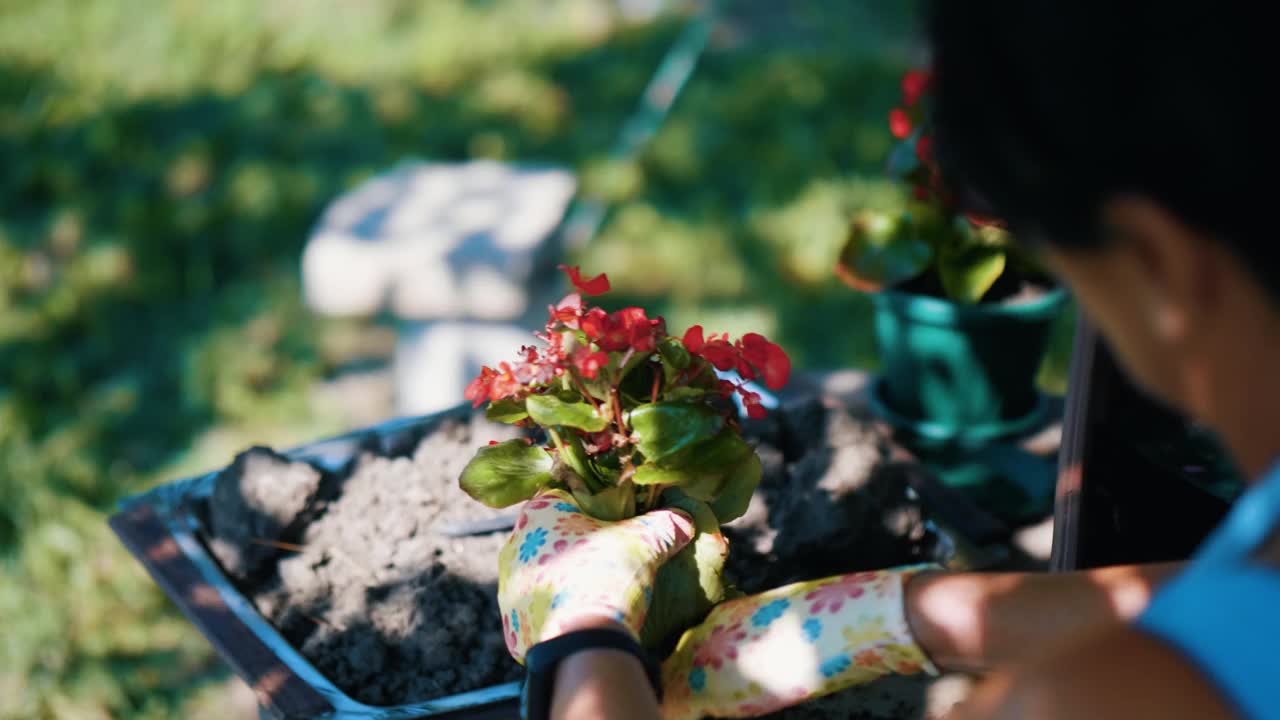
[[352, 570], [387, 609]]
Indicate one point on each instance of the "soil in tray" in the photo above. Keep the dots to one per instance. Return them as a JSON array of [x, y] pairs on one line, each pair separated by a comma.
[[352, 568]]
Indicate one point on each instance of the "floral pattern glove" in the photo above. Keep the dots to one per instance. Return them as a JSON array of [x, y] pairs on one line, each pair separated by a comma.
[[758, 654], [561, 565]]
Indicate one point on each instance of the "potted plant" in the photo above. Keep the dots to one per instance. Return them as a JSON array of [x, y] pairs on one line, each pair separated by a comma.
[[629, 418], [962, 314]]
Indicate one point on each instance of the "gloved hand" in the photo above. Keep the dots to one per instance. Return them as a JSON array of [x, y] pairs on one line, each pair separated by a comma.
[[561, 566], [758, 654]]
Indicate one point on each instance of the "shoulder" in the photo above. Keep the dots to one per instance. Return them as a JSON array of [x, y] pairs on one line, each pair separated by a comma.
[[1121, 672]]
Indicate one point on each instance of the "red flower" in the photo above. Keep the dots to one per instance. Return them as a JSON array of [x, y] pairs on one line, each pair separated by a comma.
[[924, 150], [605, 330], [899, 123], [595, 443], [752, 356], [716, 350], [567, 311], [626, 329], [593, 286], [692, 339], [914, 85], [642, 331], [505, 384], [588, 363], [751, 401], [768, 358], [478, 390]]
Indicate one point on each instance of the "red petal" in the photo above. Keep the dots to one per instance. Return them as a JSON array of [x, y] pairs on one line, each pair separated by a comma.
[[768, 358], [914, 85], [596, 323], [899, 123], [721, 355], [478, 389], [778, 368], [567, 311], [592, 286], [632, 316], [589, 363], [693, 341], [643, 341], [924, 150], [751, 401], [755, 348]]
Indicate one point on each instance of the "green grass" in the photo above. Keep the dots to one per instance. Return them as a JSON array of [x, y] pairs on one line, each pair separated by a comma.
[[162, 161]]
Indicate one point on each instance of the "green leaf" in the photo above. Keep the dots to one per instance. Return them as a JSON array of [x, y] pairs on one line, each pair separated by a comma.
[[735, 495], [507, 410], [575, 458], [881, 251], [968, 270], [684, 392], [547, 410], [665, 428], [507, 473], [673, 353], [689, 584], [708, 470], [611, 504]]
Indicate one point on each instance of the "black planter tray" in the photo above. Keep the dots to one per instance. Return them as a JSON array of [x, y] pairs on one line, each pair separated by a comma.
[[160, 528]]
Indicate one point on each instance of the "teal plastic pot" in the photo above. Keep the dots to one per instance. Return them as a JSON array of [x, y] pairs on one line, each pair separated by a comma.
[[962, 374]]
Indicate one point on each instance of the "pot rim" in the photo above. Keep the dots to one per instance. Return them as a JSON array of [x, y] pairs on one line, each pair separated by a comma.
[[941, 434]]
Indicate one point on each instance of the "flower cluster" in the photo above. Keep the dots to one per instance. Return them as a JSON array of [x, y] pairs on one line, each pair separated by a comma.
[[910, 124], [582, 342], [752, 357], [628, 410]]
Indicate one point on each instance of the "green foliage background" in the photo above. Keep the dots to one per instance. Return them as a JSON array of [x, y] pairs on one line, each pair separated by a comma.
[[161, 162]]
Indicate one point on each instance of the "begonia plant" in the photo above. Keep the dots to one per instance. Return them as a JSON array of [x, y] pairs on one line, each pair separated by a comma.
[[960, 253], [632, 418]]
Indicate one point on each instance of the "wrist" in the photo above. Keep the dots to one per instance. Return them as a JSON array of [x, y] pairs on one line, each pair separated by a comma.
[[586, 666], [942, 611]]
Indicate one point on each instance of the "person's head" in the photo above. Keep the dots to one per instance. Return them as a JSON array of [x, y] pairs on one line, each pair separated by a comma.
[[1128, 140]]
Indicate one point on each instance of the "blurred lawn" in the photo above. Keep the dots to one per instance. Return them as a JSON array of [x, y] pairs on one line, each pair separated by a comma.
[[162, 161]]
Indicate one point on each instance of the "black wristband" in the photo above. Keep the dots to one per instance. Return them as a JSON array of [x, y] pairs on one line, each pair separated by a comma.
[[543, 659]]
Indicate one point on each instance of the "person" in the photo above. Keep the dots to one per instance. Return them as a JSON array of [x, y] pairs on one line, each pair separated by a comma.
[[1126, 142]]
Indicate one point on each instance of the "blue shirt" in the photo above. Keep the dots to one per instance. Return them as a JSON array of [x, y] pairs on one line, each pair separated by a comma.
[[1223, 610]]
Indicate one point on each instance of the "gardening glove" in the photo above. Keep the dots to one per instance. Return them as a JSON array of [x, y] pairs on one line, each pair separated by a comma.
[[561, 566], [761, 653]]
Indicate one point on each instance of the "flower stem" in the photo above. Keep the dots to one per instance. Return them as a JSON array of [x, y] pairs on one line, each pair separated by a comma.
[[582, 388], [617, 412], [555, 439]]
